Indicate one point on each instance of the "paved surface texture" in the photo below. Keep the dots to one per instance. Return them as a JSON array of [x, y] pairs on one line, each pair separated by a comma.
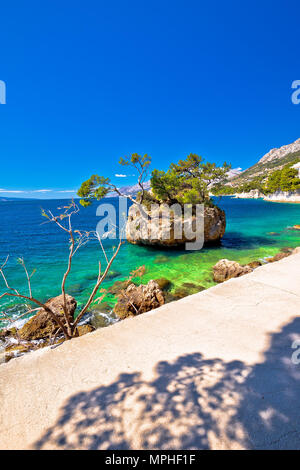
[[213, 370]]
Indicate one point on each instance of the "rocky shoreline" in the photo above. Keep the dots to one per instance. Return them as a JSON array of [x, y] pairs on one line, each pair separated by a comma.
[[279, 196], [39, 331]]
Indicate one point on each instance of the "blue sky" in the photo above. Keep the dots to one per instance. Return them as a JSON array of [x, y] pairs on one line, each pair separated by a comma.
[[89, 82]]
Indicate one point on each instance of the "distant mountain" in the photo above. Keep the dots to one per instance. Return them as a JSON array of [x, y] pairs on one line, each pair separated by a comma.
[[234, 172], [278, 154], [9, 199], [131, 190], [275, 159]]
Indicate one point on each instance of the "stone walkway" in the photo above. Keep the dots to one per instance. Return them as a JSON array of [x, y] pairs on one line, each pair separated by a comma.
[[213, 370]]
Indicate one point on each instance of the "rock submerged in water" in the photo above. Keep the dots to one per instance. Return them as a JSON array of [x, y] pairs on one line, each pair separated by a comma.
[[163, 283], [138, 230], [161, 259], [139, 299], [8, 333], [187, 288], [103, 307], [102, 315], [16, 350], [278, 257], [287, 249], [254, 264], [226, 269], [42, 325]]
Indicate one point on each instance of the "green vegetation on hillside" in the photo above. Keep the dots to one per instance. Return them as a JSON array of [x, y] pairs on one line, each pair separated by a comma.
[[284, 179], [227, 190], [266, 168]]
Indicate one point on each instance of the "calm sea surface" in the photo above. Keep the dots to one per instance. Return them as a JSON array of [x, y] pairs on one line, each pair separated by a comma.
[[255, 229]]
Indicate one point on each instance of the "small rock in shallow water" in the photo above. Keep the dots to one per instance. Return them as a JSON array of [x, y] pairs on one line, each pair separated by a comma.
[[277, 257], [118, 286], [192, 288], [75, 289], [226, 269], [187, 288], [163, 283], [103, 307], [180, 293], [7, 333], [112, 275], [287, 249], [16, 350], [91, 277], [139, 299], [102, 320], [254, 264], [84, 329], [41, 325], [170, 297], [161, 259]]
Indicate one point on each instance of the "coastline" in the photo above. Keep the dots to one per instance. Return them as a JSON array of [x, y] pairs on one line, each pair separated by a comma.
[[282, 201], [248, 238], [280, 196], [201, 344]]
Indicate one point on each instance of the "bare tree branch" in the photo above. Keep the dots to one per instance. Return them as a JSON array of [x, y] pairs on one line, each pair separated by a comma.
[[98, 284], [67, 326]]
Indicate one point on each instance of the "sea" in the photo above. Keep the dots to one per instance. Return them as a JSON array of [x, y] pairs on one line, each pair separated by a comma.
[[255, 230]]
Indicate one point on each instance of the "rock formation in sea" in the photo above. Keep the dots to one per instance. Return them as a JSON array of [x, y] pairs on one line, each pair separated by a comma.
[[160, 232]]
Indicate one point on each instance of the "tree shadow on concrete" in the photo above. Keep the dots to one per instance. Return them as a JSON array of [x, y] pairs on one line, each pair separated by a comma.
[[192, 403]]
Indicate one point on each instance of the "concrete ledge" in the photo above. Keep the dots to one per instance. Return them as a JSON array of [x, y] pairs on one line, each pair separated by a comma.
[[212, 370]]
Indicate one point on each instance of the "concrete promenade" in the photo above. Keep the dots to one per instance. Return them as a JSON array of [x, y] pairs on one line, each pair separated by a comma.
[[211, 371]]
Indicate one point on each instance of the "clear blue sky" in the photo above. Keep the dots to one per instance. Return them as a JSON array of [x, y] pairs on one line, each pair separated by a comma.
[[90, 81]]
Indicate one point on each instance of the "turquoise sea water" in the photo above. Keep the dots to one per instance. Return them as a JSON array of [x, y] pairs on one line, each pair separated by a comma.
[[255, 229]]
